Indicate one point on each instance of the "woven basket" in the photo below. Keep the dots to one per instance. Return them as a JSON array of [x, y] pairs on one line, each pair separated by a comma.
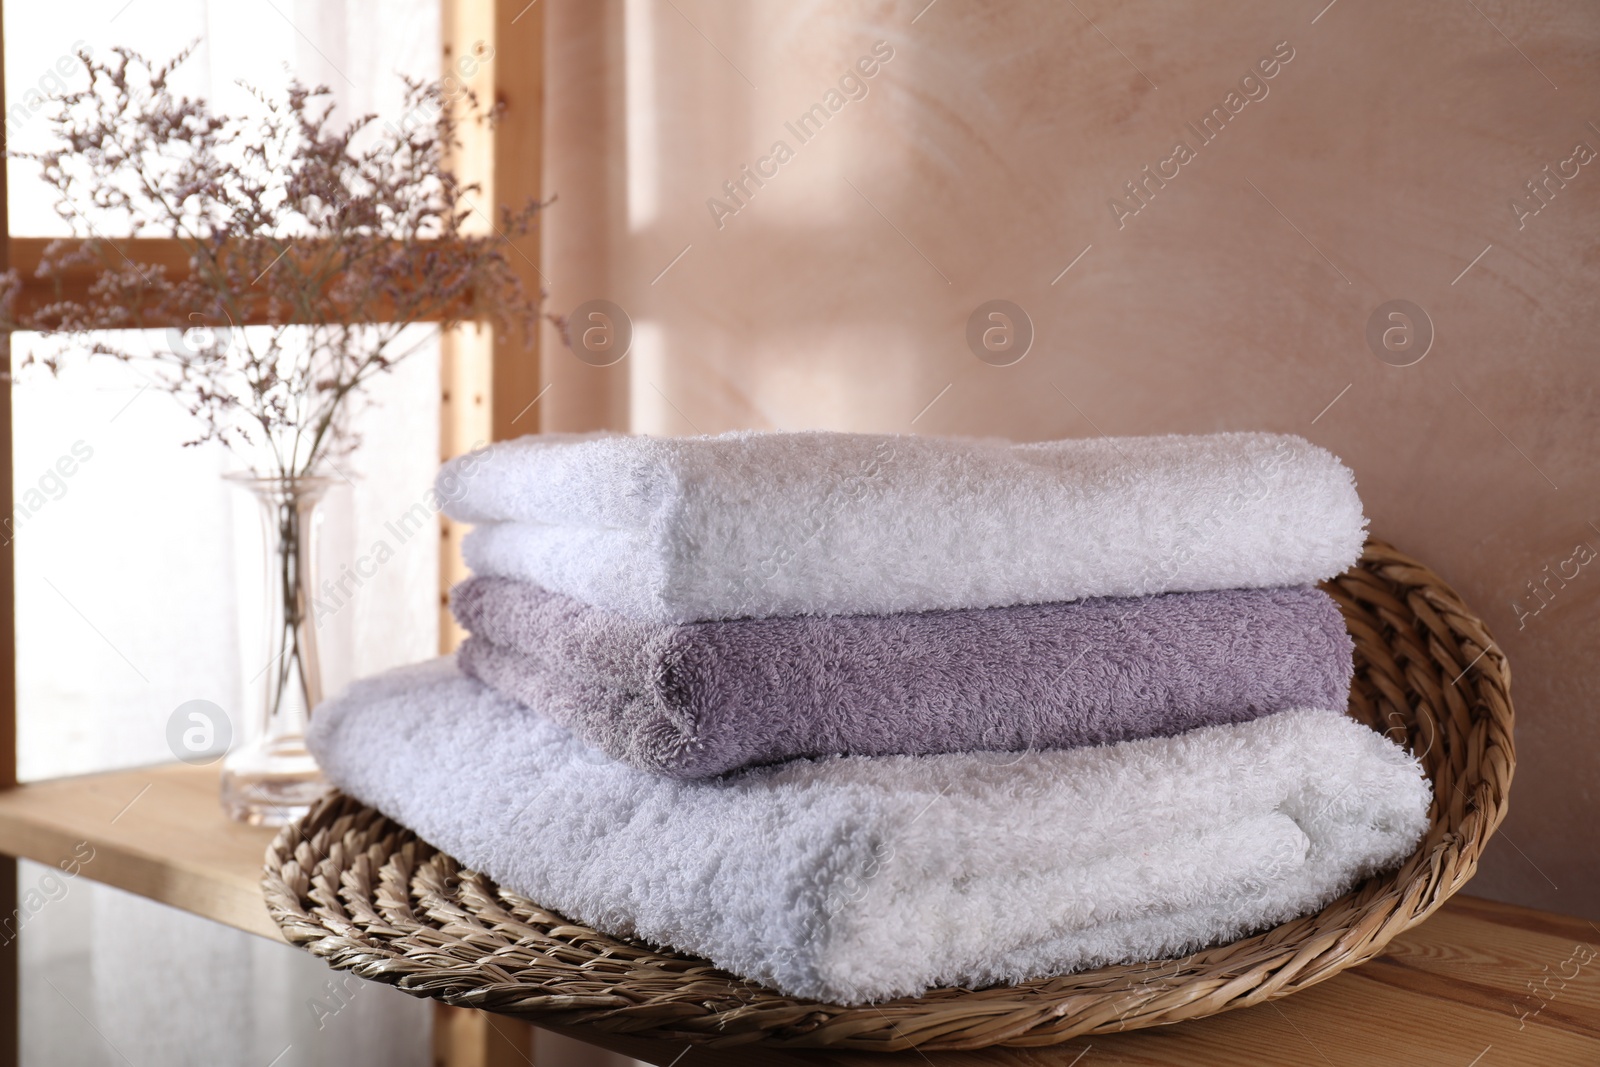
[[366, 895]]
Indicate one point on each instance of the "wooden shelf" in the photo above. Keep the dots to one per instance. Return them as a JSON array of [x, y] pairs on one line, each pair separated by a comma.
[[158, 832], [1480, 984]]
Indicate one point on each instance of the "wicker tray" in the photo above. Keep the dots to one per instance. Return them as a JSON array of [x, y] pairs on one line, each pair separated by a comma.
[[366, 895]]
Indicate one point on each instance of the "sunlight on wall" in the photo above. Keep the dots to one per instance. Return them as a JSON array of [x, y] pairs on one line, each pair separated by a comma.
[[649, 410], [639, 44]]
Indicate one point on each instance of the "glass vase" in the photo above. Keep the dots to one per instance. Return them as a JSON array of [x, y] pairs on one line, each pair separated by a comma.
[[269, 778]]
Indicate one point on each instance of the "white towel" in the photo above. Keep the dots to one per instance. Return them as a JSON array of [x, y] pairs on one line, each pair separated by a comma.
[[855, 879], [761, 524]]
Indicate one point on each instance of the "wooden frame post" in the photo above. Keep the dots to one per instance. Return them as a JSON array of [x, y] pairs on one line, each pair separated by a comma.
[[488, 382], [516, 177]]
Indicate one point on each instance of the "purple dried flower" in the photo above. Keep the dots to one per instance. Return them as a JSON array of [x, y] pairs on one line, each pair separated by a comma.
[[332, 238]]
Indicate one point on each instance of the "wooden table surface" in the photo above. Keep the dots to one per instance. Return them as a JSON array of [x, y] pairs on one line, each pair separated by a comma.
[[1480, 984]]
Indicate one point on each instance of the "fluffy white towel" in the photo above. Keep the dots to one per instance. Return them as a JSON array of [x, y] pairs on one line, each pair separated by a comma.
[[854, 879], [761, 524]]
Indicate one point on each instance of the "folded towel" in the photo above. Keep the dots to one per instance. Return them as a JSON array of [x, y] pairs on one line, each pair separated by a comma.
[[855, 879], [704, 698], [762, 524]]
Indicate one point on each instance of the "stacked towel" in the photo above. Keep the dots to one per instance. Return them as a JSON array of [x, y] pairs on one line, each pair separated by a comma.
[[704, 698], [761, 524], [858, 879], [855, 715]]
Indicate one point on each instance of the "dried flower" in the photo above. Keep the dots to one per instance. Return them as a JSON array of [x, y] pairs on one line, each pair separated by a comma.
[[328, 240]]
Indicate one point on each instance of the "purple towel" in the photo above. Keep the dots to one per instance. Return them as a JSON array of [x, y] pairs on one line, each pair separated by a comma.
[[700, 699]]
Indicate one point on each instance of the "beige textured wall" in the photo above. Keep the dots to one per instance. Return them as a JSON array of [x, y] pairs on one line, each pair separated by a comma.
[[1383, 160]]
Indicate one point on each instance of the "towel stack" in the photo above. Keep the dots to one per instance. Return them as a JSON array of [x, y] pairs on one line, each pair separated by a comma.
[[857, 715]]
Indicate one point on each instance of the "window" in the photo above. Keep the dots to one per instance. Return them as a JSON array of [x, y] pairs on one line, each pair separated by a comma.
[[132, 571]]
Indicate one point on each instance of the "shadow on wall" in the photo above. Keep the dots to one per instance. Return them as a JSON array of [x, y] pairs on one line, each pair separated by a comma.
[[1300, 219]]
